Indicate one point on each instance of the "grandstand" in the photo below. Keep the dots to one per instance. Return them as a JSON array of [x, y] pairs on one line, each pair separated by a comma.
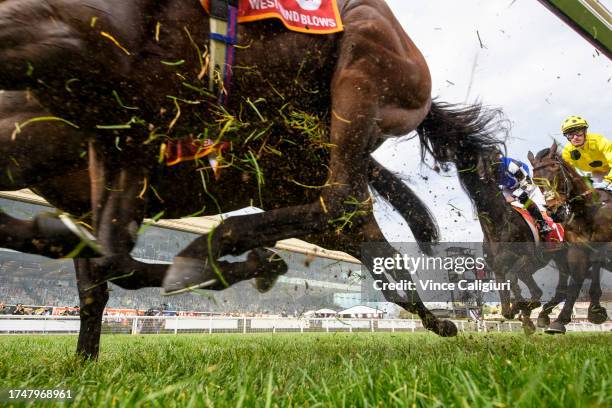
[[311, 282]]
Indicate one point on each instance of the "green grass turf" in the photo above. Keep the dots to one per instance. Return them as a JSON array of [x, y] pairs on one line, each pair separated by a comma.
[[381, 369]]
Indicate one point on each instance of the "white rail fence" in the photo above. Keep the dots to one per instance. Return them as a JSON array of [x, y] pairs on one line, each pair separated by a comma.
[[216, 324]]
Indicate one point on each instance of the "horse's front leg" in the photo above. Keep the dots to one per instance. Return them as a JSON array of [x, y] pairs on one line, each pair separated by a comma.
[[597, 314], [578, 262], [47, 235], [93, 295], [344, 199], [558, 297]]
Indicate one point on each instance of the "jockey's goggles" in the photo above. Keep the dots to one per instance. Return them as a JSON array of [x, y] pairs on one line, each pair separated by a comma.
[[575, 132]]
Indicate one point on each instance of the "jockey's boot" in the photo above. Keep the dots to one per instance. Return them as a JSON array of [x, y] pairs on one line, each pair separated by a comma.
[[542, 225]]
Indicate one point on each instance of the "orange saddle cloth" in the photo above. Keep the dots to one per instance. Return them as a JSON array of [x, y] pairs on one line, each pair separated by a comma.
[[557, 235], [305, 16]]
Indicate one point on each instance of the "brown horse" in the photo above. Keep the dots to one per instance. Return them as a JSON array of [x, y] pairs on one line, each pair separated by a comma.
[[588, 228], [51, 138], [508, 242], [130, 75]]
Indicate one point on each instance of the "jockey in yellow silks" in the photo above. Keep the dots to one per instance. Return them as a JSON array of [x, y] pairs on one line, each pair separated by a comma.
[[588, 152]]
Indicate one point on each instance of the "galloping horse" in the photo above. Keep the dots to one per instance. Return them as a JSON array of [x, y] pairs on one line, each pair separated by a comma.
[[131, 76], [508, 241], [47, 177], [588, 229], [510, 247]]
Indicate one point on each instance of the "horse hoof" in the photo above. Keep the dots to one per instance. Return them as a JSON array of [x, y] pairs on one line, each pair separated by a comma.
[[446, 328], [543, 321], [528, 327], [264, 284], [272, 267], [597, 314], [72, 240], [186, 274], [555, 328]]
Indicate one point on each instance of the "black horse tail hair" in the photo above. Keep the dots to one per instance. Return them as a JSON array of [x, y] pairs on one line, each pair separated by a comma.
[[405, 201], [449, 131]]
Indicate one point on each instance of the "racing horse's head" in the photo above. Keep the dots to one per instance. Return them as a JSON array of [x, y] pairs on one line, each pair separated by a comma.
[[559, 182]]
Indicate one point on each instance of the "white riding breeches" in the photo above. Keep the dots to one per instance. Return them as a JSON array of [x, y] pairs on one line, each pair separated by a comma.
[[532, 191]]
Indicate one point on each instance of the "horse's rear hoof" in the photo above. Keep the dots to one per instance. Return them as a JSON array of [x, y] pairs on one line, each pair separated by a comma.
[[446, 328], [543, 322], [597, 314], [186, 274], [556, 328]]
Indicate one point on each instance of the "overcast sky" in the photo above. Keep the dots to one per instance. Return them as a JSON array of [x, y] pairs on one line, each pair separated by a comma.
[[533, 66]]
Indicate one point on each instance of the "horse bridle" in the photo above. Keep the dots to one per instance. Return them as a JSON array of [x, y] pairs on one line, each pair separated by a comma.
[[562, 195]]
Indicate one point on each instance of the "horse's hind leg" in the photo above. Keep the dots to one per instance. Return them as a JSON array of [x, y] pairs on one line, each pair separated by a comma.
[[351, 242]]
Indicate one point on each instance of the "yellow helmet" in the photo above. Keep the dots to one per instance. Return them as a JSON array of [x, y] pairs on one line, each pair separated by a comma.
[[572, 123]]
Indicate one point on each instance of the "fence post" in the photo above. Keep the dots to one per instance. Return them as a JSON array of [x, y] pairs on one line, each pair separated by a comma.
[[209, 324], [176, 324], [413, 325], [244, 322], [134, 325], [393, 326], [372, 325], [301, 326]]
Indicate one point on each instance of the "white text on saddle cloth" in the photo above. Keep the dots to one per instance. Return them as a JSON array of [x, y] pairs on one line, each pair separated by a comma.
[[307, 16]]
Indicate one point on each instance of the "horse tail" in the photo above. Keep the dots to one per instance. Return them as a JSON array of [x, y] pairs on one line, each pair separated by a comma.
[[405, 201], [451, 133]]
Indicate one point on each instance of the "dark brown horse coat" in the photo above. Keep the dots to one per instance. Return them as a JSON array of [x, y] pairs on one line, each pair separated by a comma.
[[588, 228], [129, 74]]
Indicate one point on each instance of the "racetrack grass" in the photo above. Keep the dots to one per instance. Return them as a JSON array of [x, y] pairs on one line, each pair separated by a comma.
[[381, 369]]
